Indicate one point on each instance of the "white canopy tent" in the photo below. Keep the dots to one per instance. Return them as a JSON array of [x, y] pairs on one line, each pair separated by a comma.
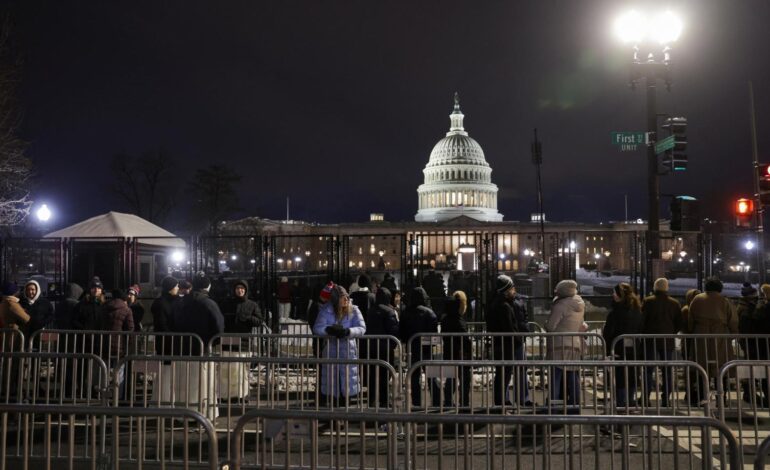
[[120, 225]]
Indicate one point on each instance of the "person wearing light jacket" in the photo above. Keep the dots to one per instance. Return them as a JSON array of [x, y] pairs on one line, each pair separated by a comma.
[[40, 310], [567, 316]]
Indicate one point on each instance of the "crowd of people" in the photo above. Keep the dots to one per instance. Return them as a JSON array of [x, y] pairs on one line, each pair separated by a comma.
[[380, 309]]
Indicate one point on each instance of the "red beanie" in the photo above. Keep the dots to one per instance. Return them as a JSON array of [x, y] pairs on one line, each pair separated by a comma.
[[326, 292]]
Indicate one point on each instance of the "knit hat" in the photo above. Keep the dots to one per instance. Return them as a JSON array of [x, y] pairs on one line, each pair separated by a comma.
[[96, 282], [134, 290], [765, 290], [503, 283], [713, 285], [168, 283], [9, 288], [660, 285], [201, 282], [326, 292], [748, 290], [364, 282], [566, 288]]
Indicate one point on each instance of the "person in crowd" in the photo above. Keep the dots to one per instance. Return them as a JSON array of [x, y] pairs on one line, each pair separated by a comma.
[[750, 321], [364, 299], [117, 317], [519, 303], [688, 345], [198, 314], [625, 318], [389, 282], [502, 319], [457, 348], [88, 312], [137, 309], [688, 296], [567, 316], [162, 310], [284, 299], [65, 308], [241, 313], [396, 302], [312, 314], [39, 309], [381, 320], [12, 315], [711, 313], [661, 315], [185, 287], [419, 318], [341, 321]]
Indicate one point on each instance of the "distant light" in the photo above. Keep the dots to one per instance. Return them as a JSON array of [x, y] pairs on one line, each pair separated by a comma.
[[597, 256], [30, 265], [297, 259], [43, 214], [630, 27], [680, 260], [682, 253], [233, 257], [749, 245], [692, 260], [177, 256], [571, 245], [279, 260], [502, 255], [665, 28], [253, 261], [634, 27]]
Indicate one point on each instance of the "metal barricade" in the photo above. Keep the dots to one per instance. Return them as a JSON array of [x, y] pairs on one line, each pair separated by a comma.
[[77, 437], [11, 340], [322, 439], [762, 451], [224, 388], [743, 401], [49, 378]]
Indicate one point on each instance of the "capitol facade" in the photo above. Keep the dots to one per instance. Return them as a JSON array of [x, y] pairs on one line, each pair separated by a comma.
[[458, 179]]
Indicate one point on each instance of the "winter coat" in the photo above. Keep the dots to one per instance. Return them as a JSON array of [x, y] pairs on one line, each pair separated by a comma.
[[242, 314], [40, 310], [65, 308], [567, 316], [418, 318], [711, 313], [162, 310], [455, 347], [117, 317], [662, 315], [502, 319], [88, 314], [750, 322], [199, 315], [622, 321], [137, 313], [382, 320], [340, 380], [12, 316]]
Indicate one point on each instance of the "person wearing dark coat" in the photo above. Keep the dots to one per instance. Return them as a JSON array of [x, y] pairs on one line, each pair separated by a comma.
[[389, 282], [502, 319], [419, 318], [457, 348], [199, 315], [117, 317], [137, 309], [241, 313], [625, 318], [39, 309], [88, 312], [381, 320], [661, 314], [162, 310], [364, 299], [65, 308]]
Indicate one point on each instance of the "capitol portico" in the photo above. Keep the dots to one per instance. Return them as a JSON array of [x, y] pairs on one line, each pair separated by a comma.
[[458, 179]]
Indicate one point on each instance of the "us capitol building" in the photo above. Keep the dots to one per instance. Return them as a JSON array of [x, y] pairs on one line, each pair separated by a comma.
[[457, 221]]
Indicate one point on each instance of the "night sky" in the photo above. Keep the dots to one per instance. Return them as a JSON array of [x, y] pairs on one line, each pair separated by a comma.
[[337, 104]]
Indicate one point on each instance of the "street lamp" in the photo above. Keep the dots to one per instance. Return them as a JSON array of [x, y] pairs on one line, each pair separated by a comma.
[[650, 36], [43, 215]]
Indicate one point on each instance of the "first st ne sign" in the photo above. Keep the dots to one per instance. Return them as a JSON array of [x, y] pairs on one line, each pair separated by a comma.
[[628, 140]]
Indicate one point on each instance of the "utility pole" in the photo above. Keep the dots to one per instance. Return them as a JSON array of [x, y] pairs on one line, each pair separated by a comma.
[[760, 212], [537, 159]]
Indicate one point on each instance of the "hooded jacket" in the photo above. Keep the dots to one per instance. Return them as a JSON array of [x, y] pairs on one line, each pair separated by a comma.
[[418, 318], [242, 314], [65, 308], [117, 316], [502, 319], [39, 309], [382, 320], [199, 315]]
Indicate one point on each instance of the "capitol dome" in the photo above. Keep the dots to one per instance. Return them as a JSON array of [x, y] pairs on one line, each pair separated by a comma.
[[458, 179]]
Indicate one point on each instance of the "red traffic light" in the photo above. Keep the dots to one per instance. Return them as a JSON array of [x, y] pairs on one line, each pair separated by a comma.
[[744, 206], [764, 171]]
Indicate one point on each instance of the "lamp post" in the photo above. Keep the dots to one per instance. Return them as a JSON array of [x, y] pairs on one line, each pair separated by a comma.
[[650, 37], [749, 245], [43, 215]]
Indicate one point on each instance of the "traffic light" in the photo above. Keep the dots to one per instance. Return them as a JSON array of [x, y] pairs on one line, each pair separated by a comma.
[[744, 212], [676, 158], [763, 175]]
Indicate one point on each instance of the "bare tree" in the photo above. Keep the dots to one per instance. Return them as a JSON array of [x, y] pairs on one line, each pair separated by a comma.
[[213, 189], [15, 167], [147, 184]]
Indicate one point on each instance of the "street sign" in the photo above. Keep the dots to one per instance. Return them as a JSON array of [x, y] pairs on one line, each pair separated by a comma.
[[664, 144], [628, 140]]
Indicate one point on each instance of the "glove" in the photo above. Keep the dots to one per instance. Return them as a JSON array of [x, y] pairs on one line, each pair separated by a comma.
[[344, 333], [335, 330]]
